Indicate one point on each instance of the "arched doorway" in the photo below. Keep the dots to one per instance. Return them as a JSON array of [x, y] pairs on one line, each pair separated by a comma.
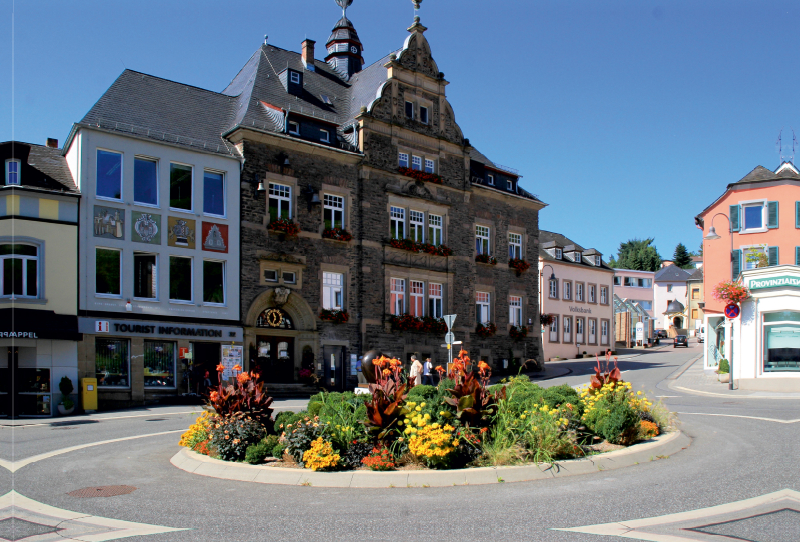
[[274, 353], [677, 322]]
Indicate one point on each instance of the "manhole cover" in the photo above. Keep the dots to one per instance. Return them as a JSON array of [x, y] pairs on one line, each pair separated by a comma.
[[102, 491]]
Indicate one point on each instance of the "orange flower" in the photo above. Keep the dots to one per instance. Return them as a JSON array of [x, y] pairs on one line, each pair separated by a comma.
[[439, 369], [395, 362], [220, 368], [483, 366], [213, 396], [243, 378], [387, 372], [237, 367]]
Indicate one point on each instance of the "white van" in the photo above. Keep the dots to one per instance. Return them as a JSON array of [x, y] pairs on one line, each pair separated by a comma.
[[701, 334]]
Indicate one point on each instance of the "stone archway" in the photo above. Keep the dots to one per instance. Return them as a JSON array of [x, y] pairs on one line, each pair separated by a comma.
[[297, 307]]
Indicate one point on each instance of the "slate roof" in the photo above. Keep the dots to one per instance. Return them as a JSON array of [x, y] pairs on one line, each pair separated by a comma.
[[672, 273], [52, 172], [697, 275], [551, 239]]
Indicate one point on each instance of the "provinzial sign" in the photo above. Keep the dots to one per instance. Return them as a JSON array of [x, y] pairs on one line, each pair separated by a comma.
[[775, 282]]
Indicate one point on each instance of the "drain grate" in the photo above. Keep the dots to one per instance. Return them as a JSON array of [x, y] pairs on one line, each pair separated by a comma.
[[102, 491]]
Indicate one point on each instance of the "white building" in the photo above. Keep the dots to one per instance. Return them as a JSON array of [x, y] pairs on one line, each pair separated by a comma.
[[669, 285]]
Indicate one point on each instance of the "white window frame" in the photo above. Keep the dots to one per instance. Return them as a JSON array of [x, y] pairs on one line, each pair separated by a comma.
[[579, 291], [580, 324], [286, 280], [743, 222], [224, 283], [558, 254], [416, 305], [430, 166], [155, 275], [604, 332], [514, 245], [598, 261], [271, 271], [483, 307], [398, 292], [335, 204], [191, 287], [515, 310], [416, 225], [278, 192], [18, 173], [111, 296], [578, 257], [490, 179], [224, 193], [603, 295], [592, 293], [567, 291], [554, 329], [553, 288], [435, 300], [121, 176], [423, 114], [294, 77], [332, 289], [509, 185], [294, 127], [158, 182], [436, 229], [326, 136], [483, 239], [25, 259], [416, 162], [402, 157], [567, 329], [397, 216], [752, 248], [592, 331]]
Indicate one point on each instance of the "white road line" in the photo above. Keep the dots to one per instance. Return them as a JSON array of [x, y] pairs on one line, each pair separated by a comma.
[[667, 396], [14, 466], [738, 416], [731, 395]]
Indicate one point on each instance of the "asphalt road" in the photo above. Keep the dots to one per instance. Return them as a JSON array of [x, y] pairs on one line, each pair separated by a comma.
[[732, 457]]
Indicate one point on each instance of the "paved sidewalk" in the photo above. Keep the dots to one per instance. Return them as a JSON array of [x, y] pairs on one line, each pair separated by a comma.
[[694, 379]]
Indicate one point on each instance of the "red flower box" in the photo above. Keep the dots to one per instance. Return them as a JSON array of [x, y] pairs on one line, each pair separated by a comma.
[[337, 234], [519, 265], [284, 225], [421, 175], [730, 291], [334, 315], [518, 332], [486, 330], [426, 324], [413, 246], [485, 258]]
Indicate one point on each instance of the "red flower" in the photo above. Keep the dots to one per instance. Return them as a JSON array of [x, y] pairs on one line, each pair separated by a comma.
[[220, 368]]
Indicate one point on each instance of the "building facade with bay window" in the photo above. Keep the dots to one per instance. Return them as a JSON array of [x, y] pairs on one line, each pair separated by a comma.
[[159, 245], [39, 334]]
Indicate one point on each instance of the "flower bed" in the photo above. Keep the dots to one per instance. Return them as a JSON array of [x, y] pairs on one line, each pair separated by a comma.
[[461, 422], [425, 324], [334, 315], [519, 265], [337, 234], [485, 258], [284, 225], [421, 175], [413, 246]]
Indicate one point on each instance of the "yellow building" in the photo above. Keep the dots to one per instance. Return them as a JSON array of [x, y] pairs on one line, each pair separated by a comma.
[[39, 279]]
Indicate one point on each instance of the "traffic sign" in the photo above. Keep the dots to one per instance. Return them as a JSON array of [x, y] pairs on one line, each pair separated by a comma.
[[449, 337], [732, 310], [449, 319]]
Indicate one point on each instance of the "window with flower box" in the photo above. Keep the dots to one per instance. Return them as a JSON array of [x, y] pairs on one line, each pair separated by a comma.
[[430, 166], [514, 246], [515, 310], [417, 226], [482, 237], [398, 222], [402, 159], [280, 201], [435, 305], [333, 211], [482, 307], [397, 296], [417, 300], [333, 291], [416, 163], [435, 229]]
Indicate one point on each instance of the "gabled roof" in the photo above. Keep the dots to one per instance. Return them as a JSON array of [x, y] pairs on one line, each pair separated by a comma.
[[549, 239], [44, 168], [672, 273], [696, 275]]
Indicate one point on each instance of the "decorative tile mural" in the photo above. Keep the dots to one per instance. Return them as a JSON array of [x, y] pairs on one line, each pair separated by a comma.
[[181, 232], [146, 228], [215, 237], [109, 222]]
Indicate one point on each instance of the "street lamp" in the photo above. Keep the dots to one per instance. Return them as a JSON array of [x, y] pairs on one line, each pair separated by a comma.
[[713, 236]]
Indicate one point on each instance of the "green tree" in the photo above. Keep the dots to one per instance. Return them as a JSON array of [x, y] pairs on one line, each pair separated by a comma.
[[681, 257], [637, 254]]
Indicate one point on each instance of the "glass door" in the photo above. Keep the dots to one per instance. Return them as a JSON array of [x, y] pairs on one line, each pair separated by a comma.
[[275, 359], [32, 393]]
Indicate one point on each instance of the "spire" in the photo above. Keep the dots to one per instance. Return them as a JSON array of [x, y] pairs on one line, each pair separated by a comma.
[[344, 47]]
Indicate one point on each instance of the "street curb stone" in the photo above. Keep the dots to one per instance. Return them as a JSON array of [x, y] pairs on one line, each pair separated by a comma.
[[659, 447]]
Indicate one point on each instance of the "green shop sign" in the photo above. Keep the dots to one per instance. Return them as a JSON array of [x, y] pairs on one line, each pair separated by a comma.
[[775, 282]]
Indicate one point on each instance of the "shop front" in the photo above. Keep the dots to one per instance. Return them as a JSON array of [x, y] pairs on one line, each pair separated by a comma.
[[766, 336], [138, 361], [39, 348]]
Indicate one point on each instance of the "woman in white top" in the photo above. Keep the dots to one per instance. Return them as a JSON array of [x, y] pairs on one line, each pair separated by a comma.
[[416, 371]]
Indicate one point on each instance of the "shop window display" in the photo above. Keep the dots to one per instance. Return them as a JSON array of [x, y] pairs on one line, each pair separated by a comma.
[[112, 365], [159, 364], [782, 341]]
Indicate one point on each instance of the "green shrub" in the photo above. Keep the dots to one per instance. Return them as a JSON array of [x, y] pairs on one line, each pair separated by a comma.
[[422, 392], [614, 420], [256, 453], [278, 450], [287, 417], [559, 395], [231, 435], [351, 459], [724, 367], [299, 436]]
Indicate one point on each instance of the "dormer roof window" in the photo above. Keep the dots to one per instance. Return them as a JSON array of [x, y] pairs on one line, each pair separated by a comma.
[[557, 253], [490, 179], [294, 77], [598, 261], [578, 257]]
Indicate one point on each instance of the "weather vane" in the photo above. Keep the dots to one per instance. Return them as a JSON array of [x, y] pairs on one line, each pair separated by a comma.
[[779, 144], [344, 4], [416, 7]]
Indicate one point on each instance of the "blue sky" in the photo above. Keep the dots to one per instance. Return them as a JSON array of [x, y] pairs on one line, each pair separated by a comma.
[[627, 118]]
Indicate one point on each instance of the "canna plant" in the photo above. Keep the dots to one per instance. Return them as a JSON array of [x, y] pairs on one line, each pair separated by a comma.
[[246, 395], [605, 374], [389, 393], [475, 407]]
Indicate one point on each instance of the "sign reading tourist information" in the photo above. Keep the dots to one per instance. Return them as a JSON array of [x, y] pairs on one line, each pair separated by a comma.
[[775, 282], [732, 310]]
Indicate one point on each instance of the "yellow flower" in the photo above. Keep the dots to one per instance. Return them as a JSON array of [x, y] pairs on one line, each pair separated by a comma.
[[418, 409], [522, 417], [442, 413], [422, 405]]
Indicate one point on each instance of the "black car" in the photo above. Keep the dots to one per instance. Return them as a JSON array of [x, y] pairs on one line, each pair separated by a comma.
[[661, 333], [681, 340]]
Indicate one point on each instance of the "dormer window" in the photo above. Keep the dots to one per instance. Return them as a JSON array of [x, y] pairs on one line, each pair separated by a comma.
[[326, 99], [423, 115], [490, 179], [557, 254], [409, 110], [578, 257], [294, 77], [12, 172], [294, 127], [598, 261], [509, 185], [325, 136]]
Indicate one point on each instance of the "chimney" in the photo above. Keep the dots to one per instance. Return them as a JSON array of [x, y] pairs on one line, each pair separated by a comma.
[[52, 143], [308, 54]]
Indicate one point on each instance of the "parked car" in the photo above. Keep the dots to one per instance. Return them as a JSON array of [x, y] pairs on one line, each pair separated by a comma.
[[681, 340], [661, 333], [701, 334]]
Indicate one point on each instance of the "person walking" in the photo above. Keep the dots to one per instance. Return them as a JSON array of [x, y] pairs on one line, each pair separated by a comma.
[[427, 376], [415, 373]]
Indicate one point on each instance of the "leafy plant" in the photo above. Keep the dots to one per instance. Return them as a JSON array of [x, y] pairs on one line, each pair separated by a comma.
[[518, 332], [425, 324], [231, 435], [474, 406], [485, 258], [246, 395], [724, 367], [298, 436], [256, 453], [198, 432], [388, 396], [284, 225], [334, 315], [605, 374], [731, 291], [320, 456], [519, 265], [421, 175], [485, 330], [338, 234], [355, 453], [546, 319], [379, 459], [65, 387]]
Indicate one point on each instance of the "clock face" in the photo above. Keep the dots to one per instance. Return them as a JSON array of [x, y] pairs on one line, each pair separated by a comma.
[[354, 50]]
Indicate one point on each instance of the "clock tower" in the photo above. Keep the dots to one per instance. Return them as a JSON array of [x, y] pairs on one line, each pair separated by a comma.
[[344, 48]]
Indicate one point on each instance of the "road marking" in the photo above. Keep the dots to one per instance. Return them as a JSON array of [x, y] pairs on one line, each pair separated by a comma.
[[730, 395], [667, 396], [14, 466], [739, 416]]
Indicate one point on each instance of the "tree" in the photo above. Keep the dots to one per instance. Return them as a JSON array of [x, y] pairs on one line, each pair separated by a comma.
[[681, 257], [637, 254]]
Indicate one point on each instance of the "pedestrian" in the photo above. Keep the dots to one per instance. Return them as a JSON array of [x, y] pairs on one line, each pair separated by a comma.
[[416, 371], [427, 368], [207, 382]]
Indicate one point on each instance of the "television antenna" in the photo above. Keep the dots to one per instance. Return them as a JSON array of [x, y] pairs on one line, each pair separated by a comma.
[[780, 146]]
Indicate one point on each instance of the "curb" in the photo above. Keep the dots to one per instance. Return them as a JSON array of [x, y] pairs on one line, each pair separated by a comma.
[[683, 368], [659, 447]]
